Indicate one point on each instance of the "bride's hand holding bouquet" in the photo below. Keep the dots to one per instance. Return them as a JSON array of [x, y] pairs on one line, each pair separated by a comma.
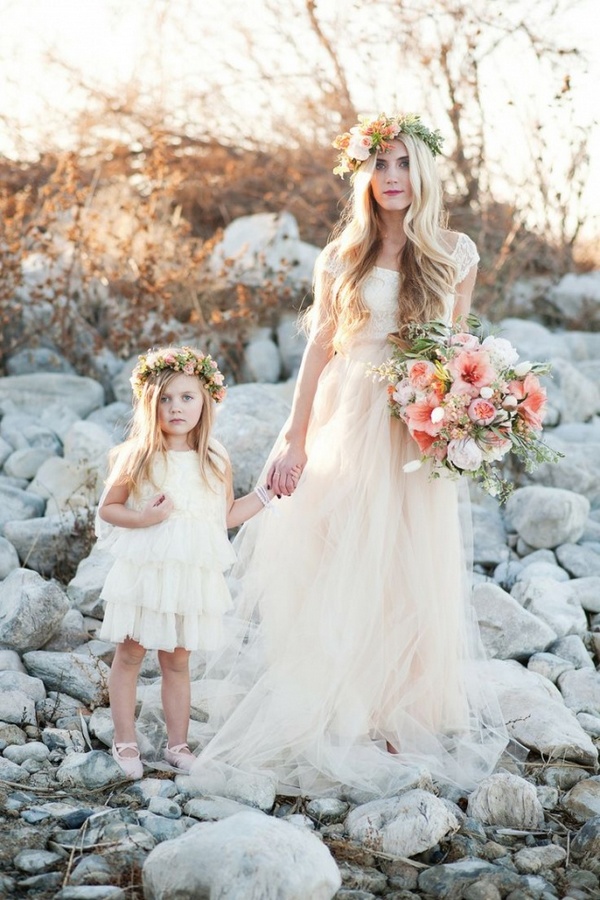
[[467, 401]]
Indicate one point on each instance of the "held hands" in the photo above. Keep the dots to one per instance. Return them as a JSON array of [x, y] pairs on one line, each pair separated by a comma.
[[283, 476], [156, 510]]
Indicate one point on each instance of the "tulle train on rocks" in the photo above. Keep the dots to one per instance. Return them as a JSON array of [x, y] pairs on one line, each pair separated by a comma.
[[353, 625]]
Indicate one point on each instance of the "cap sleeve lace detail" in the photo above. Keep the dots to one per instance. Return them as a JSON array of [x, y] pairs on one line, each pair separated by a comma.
[[465, 256]]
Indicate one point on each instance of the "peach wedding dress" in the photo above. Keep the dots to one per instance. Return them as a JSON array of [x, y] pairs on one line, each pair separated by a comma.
[[353, 622]]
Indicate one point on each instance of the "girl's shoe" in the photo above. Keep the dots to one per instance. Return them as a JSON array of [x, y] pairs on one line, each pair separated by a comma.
[[131, 765], [176, 757]]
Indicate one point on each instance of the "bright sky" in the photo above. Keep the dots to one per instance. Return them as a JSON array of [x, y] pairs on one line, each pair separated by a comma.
[[110, 46]]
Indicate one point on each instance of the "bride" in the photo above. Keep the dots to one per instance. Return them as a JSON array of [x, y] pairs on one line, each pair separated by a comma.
[[358, 659]]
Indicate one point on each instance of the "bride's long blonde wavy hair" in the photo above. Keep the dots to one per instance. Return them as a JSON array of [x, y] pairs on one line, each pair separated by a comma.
[[131, 462], [427, 268]]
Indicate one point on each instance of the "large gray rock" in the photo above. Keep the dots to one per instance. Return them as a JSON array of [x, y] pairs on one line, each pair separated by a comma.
[[31, 610], [264, 247], [451, 881], [536, 716], [576, 397], [84, 589], [262, 361], [554, 603], [507, 800], [581, 690], [17, 504], [404, 825], [83, 677], [9, 558], [37, 391], [52, 545], [248, 423], [576, 298], [489, 536], [578, 471], [547, 517], [581, 562], [69, 485], [247, 855], [25, 463], [508, 631]]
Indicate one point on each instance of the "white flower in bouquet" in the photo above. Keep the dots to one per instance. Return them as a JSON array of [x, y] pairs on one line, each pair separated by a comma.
[[502, 353], [465, 454]]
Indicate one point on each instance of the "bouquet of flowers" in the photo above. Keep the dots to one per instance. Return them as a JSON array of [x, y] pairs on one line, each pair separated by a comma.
[[468, 401]]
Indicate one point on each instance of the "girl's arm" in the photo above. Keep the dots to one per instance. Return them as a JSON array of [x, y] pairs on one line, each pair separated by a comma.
[[113, 509], [319, 351], [242, 509]]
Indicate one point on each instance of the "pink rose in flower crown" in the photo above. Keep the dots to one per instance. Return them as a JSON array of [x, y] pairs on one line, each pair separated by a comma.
[[169, 359], [481, 411], [359, 145], [465, 340], [421, 373], [471, 371], [218, 378], [531, 397], [189, 368]]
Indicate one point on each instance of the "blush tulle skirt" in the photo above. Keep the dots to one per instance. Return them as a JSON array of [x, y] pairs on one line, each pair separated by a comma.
[[353, 632]]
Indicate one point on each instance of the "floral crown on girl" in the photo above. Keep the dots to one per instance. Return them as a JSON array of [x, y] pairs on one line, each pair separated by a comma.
[[371, 135], [179, 359]]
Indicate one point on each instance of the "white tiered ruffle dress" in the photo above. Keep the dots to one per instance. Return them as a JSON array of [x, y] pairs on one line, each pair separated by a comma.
[[166, 588], [354, 607]]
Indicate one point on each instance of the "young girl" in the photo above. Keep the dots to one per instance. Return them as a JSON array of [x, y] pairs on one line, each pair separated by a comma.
[[170, 500]]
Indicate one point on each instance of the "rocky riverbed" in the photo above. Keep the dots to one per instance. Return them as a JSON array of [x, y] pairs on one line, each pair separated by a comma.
[[72, 828]]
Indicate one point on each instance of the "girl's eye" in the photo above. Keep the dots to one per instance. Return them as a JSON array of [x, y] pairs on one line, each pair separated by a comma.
[[404, 164], [380, 164], [164, 398], [187, 397]]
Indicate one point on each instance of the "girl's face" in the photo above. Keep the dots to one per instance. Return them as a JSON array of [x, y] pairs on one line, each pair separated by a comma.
[[179, 409], [390, 182]]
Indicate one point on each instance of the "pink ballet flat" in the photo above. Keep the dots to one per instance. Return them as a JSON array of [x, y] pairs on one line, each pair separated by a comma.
[[176, 757], [130, 765]]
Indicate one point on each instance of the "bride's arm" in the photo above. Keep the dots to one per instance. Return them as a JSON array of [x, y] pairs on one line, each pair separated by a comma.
[[319, 351]]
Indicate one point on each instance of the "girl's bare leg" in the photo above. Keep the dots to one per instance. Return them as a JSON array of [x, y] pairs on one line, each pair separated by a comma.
[[122, 685], [176, 693]]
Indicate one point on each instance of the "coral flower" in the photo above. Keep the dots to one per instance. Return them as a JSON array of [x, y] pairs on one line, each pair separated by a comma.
[[418, 417], [421, 373], [472, 370], [532, 400]]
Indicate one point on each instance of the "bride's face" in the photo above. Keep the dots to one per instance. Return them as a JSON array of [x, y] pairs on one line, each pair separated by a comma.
[[390, 182]]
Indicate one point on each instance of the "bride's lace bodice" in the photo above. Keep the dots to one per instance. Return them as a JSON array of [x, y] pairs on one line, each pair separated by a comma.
[[380, 292]]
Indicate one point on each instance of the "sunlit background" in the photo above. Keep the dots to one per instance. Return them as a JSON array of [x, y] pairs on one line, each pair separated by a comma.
[[260, 60]]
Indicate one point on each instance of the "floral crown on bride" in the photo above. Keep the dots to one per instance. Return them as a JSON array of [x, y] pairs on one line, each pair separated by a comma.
[[179, 359], [371, 135]]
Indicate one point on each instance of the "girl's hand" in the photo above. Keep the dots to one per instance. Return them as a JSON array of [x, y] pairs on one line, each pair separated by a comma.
[[287, 467], [156, 510]]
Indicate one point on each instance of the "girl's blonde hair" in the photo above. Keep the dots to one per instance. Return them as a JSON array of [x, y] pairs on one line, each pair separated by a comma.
[[131, 462], [428, 270]]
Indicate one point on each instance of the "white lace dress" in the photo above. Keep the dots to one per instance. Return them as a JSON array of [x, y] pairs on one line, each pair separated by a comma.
[[356, 593], [167, 588]]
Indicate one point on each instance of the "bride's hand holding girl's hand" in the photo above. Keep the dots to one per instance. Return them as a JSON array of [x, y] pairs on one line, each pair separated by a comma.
[[285, 471], [156, 510]]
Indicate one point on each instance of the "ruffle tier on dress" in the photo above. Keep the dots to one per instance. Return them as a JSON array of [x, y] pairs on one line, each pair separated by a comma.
[[167, 586]]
